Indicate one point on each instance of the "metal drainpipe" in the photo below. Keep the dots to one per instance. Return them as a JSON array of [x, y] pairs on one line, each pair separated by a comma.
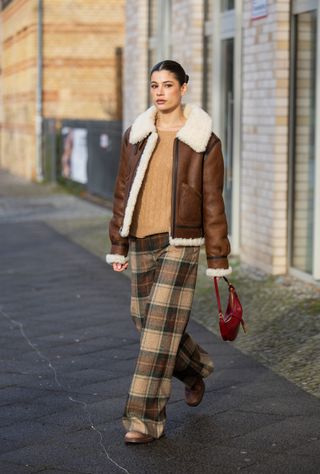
[[38, 124]]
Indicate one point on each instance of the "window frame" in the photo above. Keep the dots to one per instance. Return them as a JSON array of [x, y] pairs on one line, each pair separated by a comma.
[[298, 7]]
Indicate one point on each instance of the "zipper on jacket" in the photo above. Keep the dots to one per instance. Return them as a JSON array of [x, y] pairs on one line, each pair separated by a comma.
[[174, 184]]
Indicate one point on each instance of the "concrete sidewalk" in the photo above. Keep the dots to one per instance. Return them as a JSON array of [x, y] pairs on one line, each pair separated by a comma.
[[68, 349]]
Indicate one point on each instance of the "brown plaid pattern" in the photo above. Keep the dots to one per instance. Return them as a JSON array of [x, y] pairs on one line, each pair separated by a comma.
[[162, 289]]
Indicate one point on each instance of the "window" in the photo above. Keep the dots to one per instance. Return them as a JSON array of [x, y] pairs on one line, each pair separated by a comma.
[[227, 5], [303, 141]]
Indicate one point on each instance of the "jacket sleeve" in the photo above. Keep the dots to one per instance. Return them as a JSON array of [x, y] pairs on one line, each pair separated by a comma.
[[214, 217], [119, 245]]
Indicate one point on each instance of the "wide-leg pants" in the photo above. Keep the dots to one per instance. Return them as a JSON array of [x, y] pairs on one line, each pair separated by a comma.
[[162, 289]]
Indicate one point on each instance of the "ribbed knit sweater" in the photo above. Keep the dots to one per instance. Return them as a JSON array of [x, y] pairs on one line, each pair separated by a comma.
[[153, 208]]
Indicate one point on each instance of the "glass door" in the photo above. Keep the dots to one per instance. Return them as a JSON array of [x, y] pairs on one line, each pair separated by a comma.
[[304, 226]]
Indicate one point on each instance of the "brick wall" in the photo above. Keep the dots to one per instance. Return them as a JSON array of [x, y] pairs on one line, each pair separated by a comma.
[[264, 173], [81, 40], [18, 64]]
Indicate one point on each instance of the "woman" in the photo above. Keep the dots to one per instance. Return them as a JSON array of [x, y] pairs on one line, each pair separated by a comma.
[[167, 203]]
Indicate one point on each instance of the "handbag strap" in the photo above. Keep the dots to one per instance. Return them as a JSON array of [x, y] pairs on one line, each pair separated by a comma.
[[218, 294]]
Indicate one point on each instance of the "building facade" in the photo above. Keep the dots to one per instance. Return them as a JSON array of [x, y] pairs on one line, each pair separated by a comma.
[[60, 60], [255, 67]]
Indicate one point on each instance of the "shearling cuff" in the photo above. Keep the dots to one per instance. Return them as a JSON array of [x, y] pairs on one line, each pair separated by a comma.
[[218, 272], [116, 258]]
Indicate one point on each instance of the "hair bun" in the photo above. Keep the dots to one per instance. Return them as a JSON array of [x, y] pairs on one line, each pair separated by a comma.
[[172, 66]]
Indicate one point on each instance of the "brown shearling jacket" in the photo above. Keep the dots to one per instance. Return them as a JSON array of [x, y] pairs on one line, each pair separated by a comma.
[[197, 209]]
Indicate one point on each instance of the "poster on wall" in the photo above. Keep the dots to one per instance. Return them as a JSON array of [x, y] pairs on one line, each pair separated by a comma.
[[259, 9], [74, 157]]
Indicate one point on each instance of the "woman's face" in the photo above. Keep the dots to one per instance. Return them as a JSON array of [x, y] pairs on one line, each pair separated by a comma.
[[166, 91]]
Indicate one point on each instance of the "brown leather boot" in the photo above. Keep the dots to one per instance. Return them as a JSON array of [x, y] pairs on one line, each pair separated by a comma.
[[137, 438], [194, 395]]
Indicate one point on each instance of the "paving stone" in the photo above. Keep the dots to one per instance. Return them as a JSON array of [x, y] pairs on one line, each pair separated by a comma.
[[47, 470], [80, 415], [73, 417], [80, 452], [13, 394], [276, 437], [13, 468], [299, 464], [29, 432], [34, 409], [7, 445], [27, 381]]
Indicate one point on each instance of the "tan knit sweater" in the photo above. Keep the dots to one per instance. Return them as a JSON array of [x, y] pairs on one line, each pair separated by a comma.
[[153, 208]]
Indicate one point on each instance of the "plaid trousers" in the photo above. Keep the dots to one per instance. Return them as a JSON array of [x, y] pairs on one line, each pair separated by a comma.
[[162, 289]]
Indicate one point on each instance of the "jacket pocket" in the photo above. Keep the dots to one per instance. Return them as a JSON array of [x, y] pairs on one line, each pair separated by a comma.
[[190, 206]]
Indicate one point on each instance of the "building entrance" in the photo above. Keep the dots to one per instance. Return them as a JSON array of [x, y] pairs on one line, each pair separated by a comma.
[[304, 232]]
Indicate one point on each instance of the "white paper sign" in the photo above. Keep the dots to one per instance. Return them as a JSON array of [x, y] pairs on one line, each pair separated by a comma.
[[104, 140], [259, 9], [79, 156]]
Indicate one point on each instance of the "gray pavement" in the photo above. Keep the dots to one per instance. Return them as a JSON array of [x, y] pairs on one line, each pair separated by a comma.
[[68, 349]]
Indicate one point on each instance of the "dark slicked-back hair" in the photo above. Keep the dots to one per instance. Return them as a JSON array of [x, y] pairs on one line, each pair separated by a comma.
[[171, 66]]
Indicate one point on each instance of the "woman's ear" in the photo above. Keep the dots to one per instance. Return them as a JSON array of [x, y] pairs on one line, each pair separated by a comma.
[[184, 88]]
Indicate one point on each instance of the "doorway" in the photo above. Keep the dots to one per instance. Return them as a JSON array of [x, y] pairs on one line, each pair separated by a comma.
[[304, 222]]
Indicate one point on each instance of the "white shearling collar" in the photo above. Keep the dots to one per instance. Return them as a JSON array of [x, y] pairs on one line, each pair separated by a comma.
[[196, 131]]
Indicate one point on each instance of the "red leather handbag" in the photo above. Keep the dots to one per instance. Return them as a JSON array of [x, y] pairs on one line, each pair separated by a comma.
[[229, 323]]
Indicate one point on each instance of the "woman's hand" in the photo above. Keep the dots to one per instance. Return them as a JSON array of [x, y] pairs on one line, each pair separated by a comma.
[[119, 267]]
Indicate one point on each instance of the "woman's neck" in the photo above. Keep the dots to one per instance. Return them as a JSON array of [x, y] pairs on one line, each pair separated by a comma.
[[172, 120]]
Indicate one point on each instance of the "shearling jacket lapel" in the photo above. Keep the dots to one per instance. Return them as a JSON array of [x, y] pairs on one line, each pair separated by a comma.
[[196, 132]]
